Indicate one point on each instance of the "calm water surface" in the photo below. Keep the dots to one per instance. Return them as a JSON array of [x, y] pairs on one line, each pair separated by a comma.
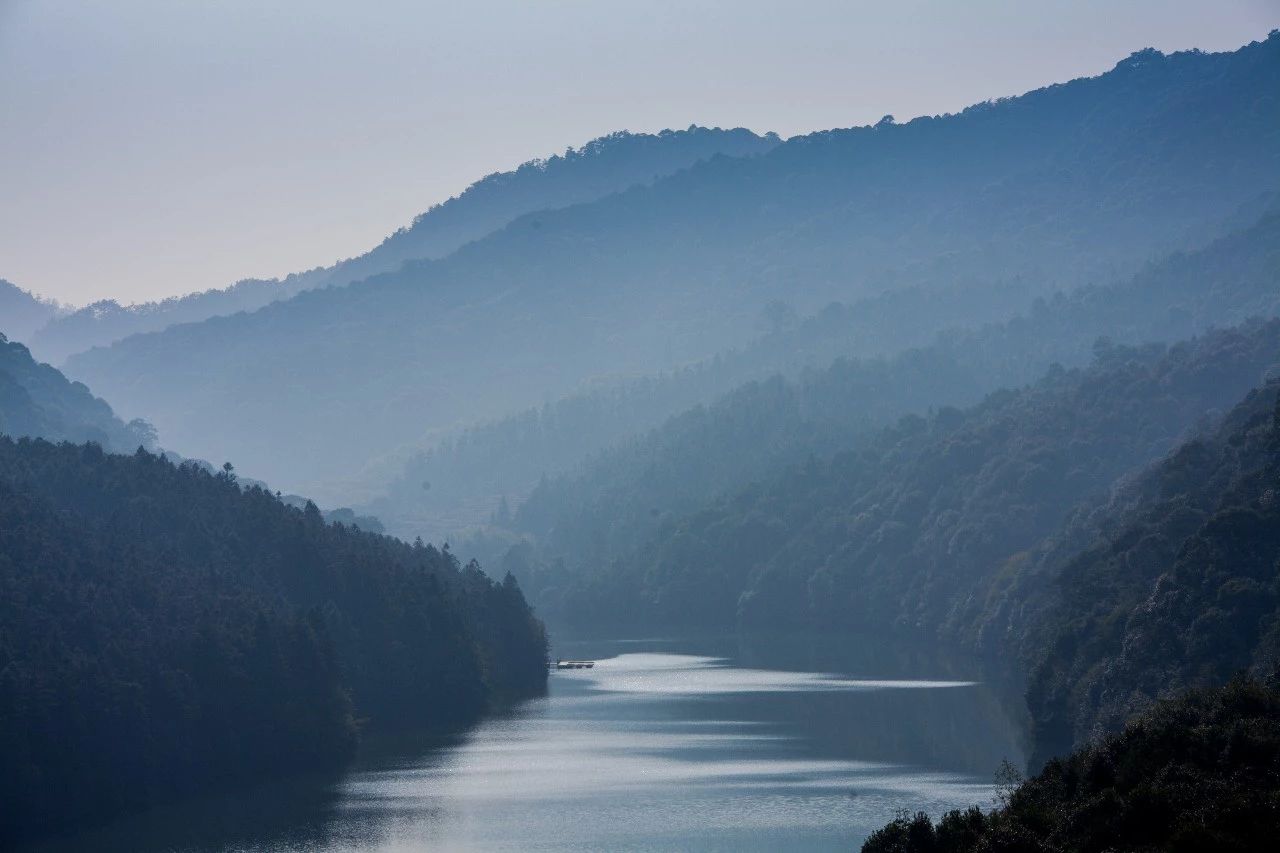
[[664, 745]]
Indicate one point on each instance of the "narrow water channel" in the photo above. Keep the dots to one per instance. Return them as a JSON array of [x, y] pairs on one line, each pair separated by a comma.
[[665, 744]]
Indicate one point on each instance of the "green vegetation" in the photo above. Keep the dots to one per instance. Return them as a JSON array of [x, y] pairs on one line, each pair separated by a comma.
[[920, 526], [618, 499], [470, 472], [1181, 590], [37, 400], [165, 630], [1194, 774]]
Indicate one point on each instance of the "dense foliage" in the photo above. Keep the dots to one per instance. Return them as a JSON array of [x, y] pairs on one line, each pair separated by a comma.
[[660, 275], [165, 630], [1195, 774], [638, 492], [37, 400], [909, 527], [608, 473], [1182, 590], [461, 479], [603, 166]]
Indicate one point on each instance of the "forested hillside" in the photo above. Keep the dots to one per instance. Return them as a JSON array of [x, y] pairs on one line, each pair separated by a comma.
[[463, 477], [21, 313], [603, 166], [37, 400], [906, 529], [657, 276], [622, 496], [1198, 773], [1182, 590], [166, 630]]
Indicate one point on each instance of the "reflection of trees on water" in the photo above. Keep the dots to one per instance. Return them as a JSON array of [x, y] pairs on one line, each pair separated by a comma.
[[292, 815]]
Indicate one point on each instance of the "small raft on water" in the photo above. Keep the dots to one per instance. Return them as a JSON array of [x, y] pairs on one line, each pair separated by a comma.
[[573, 664]]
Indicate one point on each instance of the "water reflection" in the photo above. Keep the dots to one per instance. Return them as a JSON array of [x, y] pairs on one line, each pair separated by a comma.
[[664, 745]]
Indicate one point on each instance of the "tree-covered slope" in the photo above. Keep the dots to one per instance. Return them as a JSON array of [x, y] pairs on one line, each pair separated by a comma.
[[1062, 186], [622, 496], [1198, 773], [37, 400], [1181, 590], [164, 630], [907, 528], [601, 167], [459, 479]]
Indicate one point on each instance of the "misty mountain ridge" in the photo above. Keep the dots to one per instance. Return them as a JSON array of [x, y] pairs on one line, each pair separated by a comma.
[[615, 497], [458, 479], [37, 401], [22, 312], [662, 275], [905, 529], [602, 166], [452, 489]]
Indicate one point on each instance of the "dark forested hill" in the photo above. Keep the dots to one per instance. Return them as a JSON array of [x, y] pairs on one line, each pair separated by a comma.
[[603, 166], [164, 630], [1063, 186], [37, 400], [21, 313], [1196, 774], [1182, 590], [622, 496]]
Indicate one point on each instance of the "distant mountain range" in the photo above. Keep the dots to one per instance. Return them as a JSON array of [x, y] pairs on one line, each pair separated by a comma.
[[599, 168], [22, 313], [1068, 185], [618, 499], [616, 452], [36, 400]]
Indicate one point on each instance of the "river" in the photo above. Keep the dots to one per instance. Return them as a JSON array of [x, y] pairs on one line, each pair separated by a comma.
[[665, 745]]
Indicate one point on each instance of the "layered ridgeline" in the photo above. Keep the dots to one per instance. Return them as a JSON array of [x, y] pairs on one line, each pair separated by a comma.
[[165, 631], [603, 166], [1182, 588], [462, 483], [37, 400], [464, 477], [920, 526], [1062, 186], [1198, 773], [626, 496], [22, 312]]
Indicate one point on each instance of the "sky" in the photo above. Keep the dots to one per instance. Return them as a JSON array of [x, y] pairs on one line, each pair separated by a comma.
[[155, 147]]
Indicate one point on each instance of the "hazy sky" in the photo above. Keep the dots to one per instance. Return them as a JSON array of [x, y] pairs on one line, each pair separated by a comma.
[[155, 147]]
